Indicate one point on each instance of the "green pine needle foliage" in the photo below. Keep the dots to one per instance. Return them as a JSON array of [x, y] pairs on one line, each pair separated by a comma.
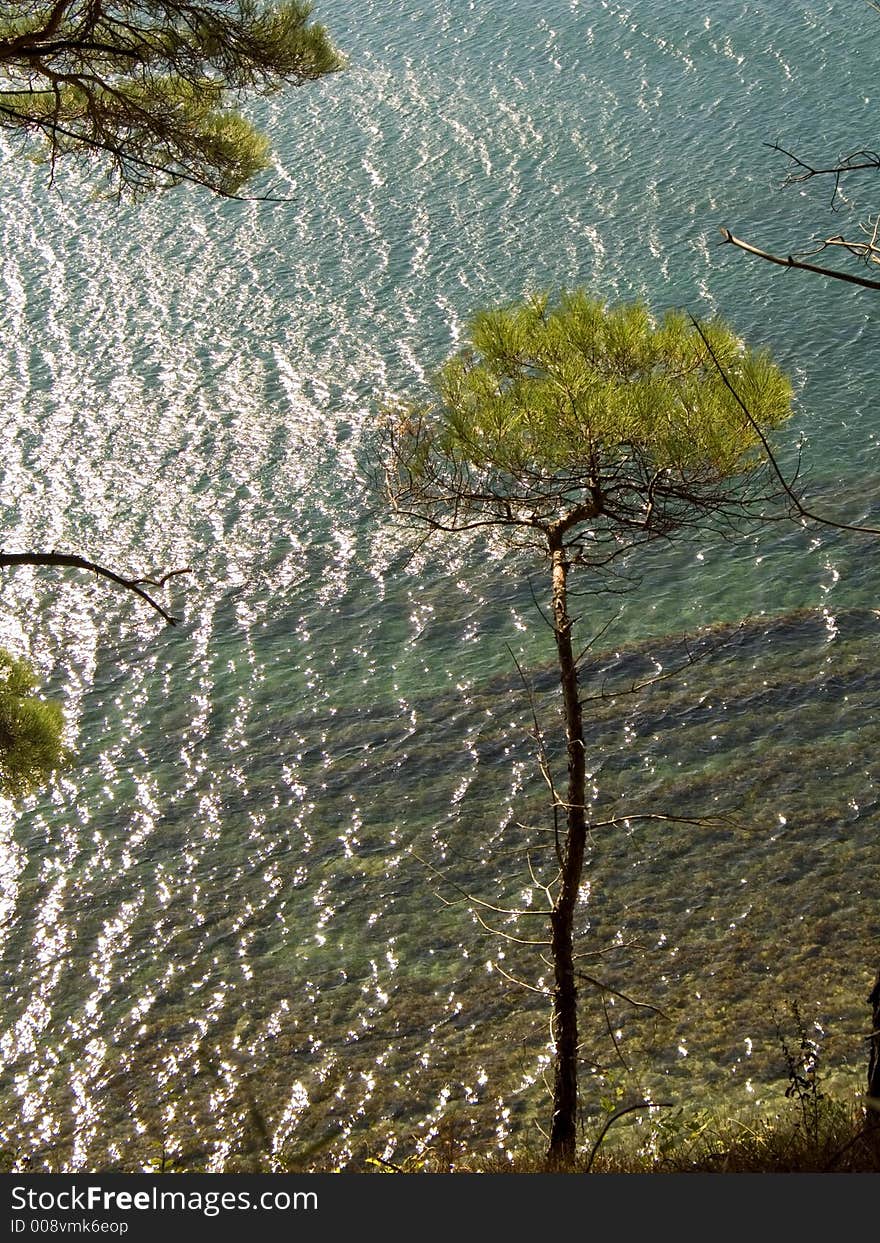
[[150, 91], [31, 746], [543, 387]]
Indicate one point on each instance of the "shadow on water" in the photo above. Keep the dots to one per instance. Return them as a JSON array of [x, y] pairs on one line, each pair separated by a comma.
[[271, 969]]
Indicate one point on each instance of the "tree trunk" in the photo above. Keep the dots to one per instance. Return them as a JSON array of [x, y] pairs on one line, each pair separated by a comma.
[[565, 1023], [873, 1113]]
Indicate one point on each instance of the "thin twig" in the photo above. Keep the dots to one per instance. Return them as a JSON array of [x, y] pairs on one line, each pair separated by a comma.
[[72, 561], [619, 1113], [789, 491], [469, 897], [606, 988], [508, 936], [789, 261], [542, 992], [611, 1033]]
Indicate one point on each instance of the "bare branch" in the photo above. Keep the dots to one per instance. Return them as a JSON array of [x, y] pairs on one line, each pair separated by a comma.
[[868, 252], [619, 1113], [508, 936], [789, 261], [548, 623], [718, 821], [537, 734], [475, 901], [610, 1028], [609, 949], [606, 988], [72, 561], [542, 992], [709, 648], [600, 633], [546, 889], [857, 161]]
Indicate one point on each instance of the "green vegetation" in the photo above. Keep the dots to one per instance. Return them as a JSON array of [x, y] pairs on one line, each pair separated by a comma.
[[147, 89], [31, 747], [579, 432], [144, 92], [699, 1142], [581, 393]]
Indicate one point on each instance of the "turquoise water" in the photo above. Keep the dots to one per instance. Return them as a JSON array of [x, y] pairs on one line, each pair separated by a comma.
[[221, 935]]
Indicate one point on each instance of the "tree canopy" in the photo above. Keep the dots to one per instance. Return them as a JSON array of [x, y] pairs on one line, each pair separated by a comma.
[[149, 87], [604, 417], [31, 747]]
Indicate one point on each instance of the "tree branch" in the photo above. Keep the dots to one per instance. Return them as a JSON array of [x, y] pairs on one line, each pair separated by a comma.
[[619, 1113], [606, 988], [857, 161], [800, 508], [789, 261], [72, 561]]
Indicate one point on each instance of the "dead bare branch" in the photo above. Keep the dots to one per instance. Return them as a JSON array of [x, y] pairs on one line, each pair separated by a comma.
[[693, 658], [619, 1113], [857, 161], [789, 261], [716, 821], [537, 733], [609, 949], [469, 897], [73, 561], [611, 1032], [508, 936], [799, 507], [542, 992], [606, 988]]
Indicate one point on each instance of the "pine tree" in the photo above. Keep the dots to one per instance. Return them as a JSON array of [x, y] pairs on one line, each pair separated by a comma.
[[580, 431]]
